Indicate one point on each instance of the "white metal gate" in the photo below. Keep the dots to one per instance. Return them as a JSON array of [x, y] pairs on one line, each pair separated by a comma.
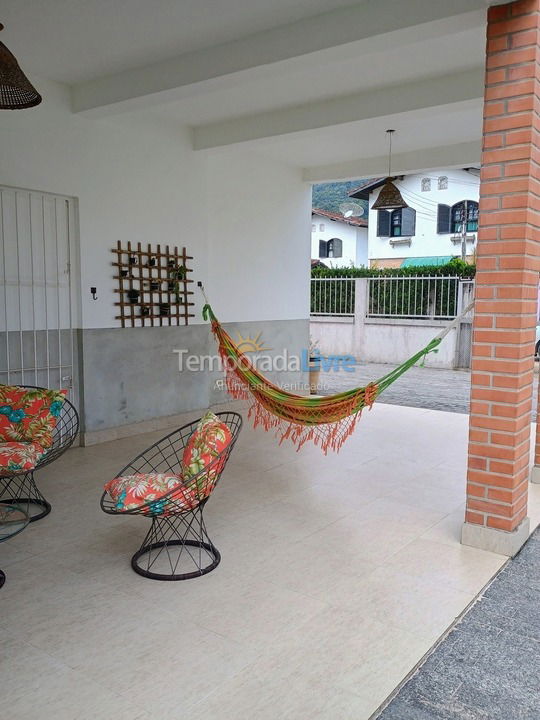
[[37, 321], [464, 332]]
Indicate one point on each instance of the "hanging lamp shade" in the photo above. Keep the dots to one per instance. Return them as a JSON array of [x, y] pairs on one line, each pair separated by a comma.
[[389, 198], [16, 91]]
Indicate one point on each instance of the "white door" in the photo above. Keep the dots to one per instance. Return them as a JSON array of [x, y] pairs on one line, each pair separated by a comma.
[[38, 234]]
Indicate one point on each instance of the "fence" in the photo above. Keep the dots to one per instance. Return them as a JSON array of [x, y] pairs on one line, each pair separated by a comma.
[[413, 297], [332, 296]]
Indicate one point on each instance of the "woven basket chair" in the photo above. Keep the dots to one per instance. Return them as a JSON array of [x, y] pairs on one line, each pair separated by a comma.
[[20, 488], [177, 545]]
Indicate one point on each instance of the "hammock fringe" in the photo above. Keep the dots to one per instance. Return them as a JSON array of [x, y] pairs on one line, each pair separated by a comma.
[[326, 435]]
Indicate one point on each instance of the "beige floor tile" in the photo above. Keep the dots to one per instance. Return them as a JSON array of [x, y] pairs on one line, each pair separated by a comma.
[[374, 540], [36, 685], [447, 530], [337, 573], [463, 568], [393, 596]]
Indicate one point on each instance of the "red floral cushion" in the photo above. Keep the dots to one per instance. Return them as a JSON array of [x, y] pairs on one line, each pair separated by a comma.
[[133, 491], [209, 439], [16, 456], [29, 414]]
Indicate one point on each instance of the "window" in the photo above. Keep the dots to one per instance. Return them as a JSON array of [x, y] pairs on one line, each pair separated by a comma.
[[321, 227], [443, 183], [335, 248], [396, 223], [323, 249], [426, 184], [313, 227], [450, 219]]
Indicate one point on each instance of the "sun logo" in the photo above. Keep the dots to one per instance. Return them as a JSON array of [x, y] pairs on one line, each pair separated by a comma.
[[247, 344]]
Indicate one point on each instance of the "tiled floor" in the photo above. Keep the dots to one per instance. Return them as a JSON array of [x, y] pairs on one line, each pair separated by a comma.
[[487, 667], [338, 573]]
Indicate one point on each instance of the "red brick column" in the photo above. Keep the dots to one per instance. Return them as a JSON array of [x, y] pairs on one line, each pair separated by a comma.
[[506, 283]]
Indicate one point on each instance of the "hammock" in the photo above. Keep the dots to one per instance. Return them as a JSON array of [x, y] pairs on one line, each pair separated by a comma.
[[328, 420]]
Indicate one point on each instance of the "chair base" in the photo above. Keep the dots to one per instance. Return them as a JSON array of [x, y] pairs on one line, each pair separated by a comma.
[[176, 547], [26, 504], [2, 578], [22, 490], [211, 551]]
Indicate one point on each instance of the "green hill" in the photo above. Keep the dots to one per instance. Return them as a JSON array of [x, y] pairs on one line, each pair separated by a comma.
[[329, 196]]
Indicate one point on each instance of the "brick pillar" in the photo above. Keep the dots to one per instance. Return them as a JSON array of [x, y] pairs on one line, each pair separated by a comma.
[[506, 283]]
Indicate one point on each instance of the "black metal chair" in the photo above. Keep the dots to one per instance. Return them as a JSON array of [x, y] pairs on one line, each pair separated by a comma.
[[177, 545], [20, 488]]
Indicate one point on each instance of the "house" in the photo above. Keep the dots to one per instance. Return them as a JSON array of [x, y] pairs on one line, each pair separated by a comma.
[[429, 230], [339, 241], [202, 125]]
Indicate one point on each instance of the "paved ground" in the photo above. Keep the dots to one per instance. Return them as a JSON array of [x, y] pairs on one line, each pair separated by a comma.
[[421, 387], [488, 666]]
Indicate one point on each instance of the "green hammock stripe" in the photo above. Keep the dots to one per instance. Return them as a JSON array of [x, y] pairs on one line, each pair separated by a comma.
[[286, 400]]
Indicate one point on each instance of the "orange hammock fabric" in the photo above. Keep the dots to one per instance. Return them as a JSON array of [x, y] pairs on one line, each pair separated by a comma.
[[326, 421]]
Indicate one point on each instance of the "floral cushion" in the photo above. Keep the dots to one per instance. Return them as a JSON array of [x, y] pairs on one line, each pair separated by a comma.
[[132, 491], [16, 456], [29, 414], [209, 439]]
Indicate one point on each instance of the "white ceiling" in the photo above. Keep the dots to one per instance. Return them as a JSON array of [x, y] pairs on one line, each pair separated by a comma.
[[77, 40], [332, 78], [86, 43], [367, 139]]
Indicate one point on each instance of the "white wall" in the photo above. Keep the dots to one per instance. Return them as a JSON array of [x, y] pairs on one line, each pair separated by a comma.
[[389, 341], [133, 180], [355, 241], [137, 178], [426, 242], [258, 230], [362, 259]]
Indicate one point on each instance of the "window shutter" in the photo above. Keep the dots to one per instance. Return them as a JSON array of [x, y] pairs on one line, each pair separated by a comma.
[[383, 223], [323, 249], [443, 219], [408, 222], [337, 247]]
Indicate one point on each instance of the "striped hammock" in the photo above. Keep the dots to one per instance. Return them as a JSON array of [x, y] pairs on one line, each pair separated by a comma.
[[327, 421]]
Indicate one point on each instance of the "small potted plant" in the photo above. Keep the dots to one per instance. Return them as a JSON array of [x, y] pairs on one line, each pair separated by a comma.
[[133, 296], [164, 309], [314, 366], [176, 275]]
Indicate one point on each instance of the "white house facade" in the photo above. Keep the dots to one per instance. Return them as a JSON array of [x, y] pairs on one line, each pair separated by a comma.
[[337, 241], [430, 230]]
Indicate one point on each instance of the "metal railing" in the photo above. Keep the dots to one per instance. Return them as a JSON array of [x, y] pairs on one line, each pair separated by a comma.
[[413, 297], [332, 296]]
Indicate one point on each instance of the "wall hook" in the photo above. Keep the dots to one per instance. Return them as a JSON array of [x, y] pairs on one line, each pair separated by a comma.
[[93, 292]]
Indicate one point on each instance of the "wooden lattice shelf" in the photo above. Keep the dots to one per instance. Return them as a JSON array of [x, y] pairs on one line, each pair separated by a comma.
[[153, 285]]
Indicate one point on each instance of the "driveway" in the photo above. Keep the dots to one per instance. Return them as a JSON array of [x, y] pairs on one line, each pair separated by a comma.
[[421, 387]]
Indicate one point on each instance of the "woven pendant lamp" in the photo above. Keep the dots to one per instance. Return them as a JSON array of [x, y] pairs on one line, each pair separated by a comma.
[[389, 198], [16, 91]]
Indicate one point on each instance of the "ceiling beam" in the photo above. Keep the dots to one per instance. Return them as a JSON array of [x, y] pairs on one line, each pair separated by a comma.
[[447, 156], [428, 93], [362, 28]]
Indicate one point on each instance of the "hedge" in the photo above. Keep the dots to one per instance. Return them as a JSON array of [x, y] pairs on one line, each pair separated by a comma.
[[455, 268], [411, 299]]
